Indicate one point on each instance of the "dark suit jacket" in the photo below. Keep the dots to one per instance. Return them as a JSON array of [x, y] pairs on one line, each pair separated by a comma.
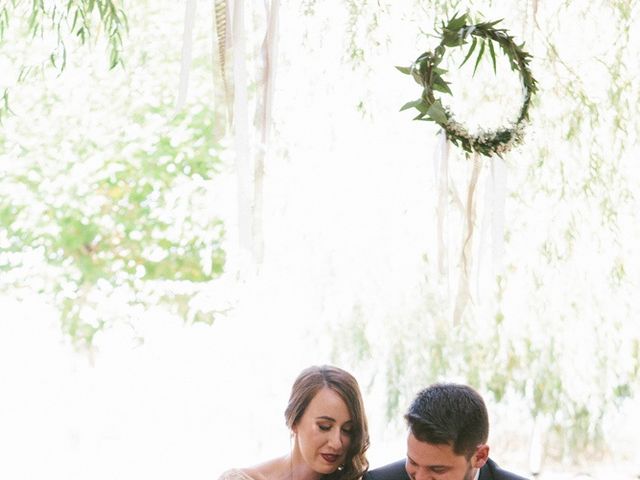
[[396, 471]]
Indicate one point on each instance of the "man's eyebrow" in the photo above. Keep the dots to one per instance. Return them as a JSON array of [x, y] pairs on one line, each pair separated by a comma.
[[446, 467]]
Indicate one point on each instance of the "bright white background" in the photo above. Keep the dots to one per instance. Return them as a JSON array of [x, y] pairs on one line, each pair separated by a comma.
[[348, 217]]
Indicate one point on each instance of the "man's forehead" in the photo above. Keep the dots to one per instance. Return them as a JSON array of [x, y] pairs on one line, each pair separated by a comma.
[[425, 453]]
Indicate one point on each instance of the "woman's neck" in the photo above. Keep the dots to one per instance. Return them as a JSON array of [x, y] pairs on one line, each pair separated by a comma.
[[298, 468]]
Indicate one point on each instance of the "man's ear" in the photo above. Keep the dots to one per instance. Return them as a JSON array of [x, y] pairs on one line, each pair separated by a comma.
[[480, 457]]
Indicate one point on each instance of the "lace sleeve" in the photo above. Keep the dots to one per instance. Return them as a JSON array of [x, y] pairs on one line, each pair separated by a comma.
[[234, 474]]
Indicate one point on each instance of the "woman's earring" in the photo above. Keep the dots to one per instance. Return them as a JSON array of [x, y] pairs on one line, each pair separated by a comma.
[[341, 467]]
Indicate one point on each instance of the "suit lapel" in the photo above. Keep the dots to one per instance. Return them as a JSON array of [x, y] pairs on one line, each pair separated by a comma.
[[485, 472]]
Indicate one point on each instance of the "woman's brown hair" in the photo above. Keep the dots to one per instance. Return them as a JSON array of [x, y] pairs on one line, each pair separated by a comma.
[[306, 386]]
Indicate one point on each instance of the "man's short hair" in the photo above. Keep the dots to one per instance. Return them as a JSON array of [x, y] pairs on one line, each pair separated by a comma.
[[452, 414]]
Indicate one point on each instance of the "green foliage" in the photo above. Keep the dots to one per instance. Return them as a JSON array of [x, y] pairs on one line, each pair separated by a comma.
[[560, 341], [59, 23], [106, 205], [133, 224], [526, 369], [456, 33], [362, 27]]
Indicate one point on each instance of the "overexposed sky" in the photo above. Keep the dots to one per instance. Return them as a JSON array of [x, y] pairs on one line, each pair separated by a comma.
[[349, 230]]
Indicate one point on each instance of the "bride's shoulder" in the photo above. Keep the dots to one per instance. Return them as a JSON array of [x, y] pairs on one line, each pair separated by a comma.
[[264, 471], [269, 470], [232, 474], [241, 474], [256, 473]]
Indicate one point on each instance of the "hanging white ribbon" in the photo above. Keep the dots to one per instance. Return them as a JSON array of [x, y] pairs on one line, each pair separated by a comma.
[[499, 194], [441, 175], [464, 293], [269, 54], [490, 243], [263, 121], [484, 233], [241, 130], [460, 208], [187, 43]]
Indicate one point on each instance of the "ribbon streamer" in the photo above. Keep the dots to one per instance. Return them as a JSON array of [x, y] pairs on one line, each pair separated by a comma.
[[187, 43], [441, 174], [269, 53], [241, 129], [485, 232], [464, 293], [491, 228], [263, 121], [499, 194]]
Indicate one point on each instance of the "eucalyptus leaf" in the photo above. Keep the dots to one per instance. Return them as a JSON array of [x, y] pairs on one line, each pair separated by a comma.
[[415, 74], [471, 49], [412, 104], [494, 23], [440, 85], [423, 67], [422, 106], [479, 57], [457, 23], [442, 88], [450, 38], [423, 56], [437, 113], [493, 55]]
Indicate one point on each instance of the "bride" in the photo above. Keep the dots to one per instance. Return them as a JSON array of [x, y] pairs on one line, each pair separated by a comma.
[[328, 427]]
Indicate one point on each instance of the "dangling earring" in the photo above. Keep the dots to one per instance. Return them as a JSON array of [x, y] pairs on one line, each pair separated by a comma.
[[341, 467]]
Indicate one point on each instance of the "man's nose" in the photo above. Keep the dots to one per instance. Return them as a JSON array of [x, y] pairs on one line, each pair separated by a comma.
[[420, 474]]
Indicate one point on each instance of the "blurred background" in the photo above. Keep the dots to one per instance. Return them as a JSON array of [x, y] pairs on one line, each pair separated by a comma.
[[144, 334]]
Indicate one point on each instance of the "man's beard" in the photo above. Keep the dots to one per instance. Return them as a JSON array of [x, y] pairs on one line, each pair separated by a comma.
[[470, 474]]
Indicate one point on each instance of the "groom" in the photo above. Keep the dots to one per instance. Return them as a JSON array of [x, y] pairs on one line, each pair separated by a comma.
[[447, 439]]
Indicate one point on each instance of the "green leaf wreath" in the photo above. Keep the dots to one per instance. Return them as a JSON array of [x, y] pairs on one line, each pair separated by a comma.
[[455, 33]]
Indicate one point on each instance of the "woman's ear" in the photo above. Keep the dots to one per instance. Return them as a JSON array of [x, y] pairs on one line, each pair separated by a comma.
[[480, 457]]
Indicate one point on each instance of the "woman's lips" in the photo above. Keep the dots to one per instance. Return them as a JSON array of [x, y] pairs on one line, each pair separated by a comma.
[[330, 458]]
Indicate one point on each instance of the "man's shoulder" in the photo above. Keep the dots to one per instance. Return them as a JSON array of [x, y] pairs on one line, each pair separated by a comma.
[[392, 471], [491, 471]]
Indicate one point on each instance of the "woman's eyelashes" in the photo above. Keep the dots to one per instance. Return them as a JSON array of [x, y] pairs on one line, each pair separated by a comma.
[[326, 427]]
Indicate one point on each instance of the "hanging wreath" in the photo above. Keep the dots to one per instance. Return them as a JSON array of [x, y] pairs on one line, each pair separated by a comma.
[[456, 33]]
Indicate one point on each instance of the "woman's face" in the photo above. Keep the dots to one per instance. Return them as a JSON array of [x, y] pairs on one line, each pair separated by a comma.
[[323, 433]]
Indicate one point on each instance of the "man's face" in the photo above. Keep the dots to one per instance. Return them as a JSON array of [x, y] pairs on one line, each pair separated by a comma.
[[427, 461]]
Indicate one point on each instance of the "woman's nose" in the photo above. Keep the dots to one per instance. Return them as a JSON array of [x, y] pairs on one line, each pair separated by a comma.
[[336, 439]]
